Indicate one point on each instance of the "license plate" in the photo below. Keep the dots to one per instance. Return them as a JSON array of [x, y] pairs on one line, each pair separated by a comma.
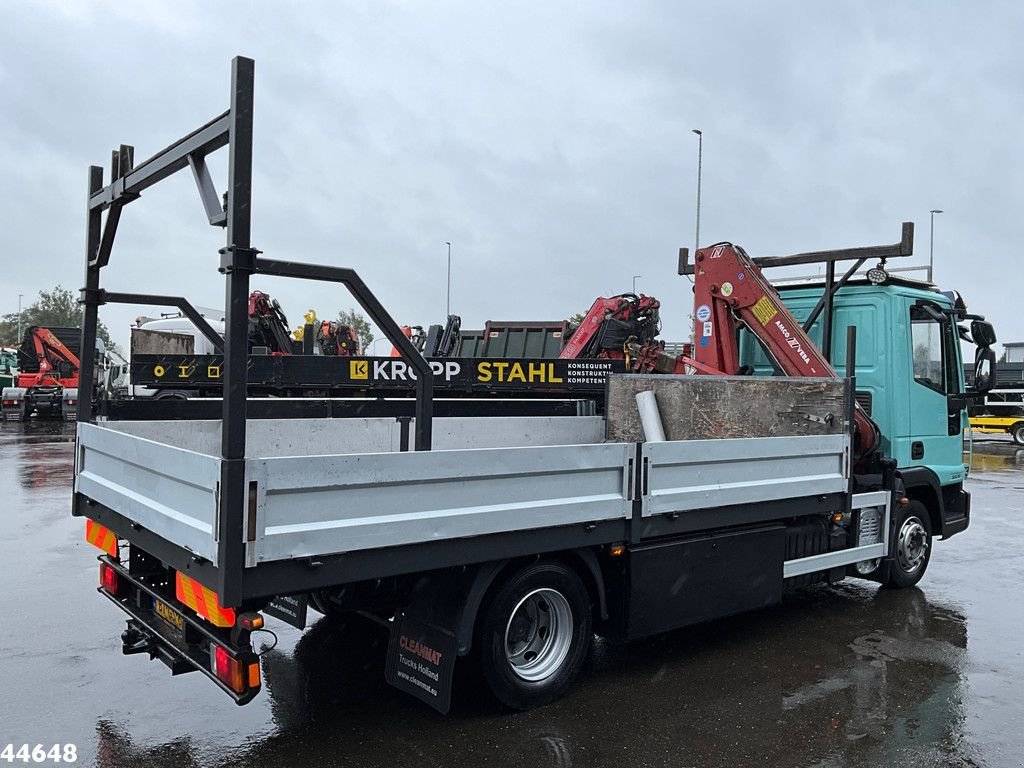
[[168, 614]]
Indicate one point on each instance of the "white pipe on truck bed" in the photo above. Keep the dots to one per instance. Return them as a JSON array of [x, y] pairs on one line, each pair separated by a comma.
[[650, 416]]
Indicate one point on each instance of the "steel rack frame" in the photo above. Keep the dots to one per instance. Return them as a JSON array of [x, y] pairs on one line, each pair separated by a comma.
[[239, 261]]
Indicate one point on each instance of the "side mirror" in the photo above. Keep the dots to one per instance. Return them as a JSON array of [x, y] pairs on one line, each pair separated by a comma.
[[984, 370], [983, 333]]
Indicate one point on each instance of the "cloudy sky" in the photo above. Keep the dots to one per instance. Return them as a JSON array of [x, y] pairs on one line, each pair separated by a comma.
[[549, 142]]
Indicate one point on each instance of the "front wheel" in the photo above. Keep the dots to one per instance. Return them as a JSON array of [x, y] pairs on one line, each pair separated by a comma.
[[912, 548], [535, 635]]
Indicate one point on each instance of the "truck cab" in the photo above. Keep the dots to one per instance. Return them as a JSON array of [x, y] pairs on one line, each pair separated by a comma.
[[909, 379], [8, 366]]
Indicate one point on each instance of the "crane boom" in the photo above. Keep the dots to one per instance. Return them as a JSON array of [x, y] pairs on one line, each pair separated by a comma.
[[729, 289], [46, 341]]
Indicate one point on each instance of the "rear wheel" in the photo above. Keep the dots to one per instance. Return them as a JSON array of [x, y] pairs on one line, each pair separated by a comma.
[[912, 547], [535, 635], [1017, 433]]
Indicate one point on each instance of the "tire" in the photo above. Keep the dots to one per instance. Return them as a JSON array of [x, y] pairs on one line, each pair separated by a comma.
[[1017, 433], [911, 547], [172, 394], [535, 635]]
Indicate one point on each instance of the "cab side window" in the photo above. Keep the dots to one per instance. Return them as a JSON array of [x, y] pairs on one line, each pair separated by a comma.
[[933, 350], [926, 337]]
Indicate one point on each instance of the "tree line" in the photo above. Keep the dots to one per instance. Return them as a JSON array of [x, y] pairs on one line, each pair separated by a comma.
[[56, 308]]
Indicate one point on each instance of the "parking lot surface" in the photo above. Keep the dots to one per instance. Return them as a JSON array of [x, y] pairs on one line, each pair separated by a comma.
[[848, 675]]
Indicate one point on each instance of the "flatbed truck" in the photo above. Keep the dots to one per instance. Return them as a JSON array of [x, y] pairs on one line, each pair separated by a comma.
[[1002, 409], [1000, 425], [507, 535]]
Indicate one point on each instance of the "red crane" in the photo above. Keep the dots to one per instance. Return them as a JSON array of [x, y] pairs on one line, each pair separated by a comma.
[[625, 327], [729, 289], [56, 365]]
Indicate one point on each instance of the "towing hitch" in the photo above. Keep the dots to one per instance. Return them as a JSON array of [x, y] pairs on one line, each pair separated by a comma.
[[136, 639], [133, 641]]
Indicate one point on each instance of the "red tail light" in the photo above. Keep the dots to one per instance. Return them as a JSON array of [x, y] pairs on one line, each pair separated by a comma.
[[233, 672], [10, 402], [109, 580]]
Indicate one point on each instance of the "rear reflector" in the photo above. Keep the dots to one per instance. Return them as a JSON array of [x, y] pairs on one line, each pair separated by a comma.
[[101, 537], [109, 580], [203, 601]]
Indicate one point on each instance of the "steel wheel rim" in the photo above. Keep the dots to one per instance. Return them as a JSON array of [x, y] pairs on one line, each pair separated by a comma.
[[538, 635], [912, 544]]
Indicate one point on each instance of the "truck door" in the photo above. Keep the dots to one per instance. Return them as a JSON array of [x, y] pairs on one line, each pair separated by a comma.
[[935, 419]]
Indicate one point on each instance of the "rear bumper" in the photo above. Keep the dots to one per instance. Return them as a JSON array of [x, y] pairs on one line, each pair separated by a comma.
[[183, 643]]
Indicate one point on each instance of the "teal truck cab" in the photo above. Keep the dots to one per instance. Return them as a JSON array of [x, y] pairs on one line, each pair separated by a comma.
[[909, 377], [8, 367]]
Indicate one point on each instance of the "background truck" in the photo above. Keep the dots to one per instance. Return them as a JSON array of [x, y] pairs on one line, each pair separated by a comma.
[[47, 381], [1002, 409], [510, 537], [8, 367], [171, 334], [620, 332], [174, 354]]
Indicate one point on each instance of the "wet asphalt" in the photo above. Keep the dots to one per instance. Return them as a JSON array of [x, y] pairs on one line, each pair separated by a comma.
[[848, 675]]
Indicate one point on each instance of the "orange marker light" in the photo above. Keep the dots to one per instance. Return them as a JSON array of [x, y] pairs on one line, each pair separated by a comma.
[[251, 621], [617, 550]]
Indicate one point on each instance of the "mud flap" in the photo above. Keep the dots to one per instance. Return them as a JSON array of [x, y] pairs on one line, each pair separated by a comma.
[[289, 609], [421, 662]]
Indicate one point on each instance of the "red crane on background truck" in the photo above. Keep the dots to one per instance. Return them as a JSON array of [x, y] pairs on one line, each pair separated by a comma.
[[268, 329], [625, 327], [47, 382]]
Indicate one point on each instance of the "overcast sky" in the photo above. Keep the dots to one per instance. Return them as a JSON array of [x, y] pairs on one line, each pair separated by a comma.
[[550, 142]]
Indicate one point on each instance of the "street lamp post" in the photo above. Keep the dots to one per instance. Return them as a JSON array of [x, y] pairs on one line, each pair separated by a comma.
[[19, 317], [634, 282], [448, 304], [700, 160], [931, 244]]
